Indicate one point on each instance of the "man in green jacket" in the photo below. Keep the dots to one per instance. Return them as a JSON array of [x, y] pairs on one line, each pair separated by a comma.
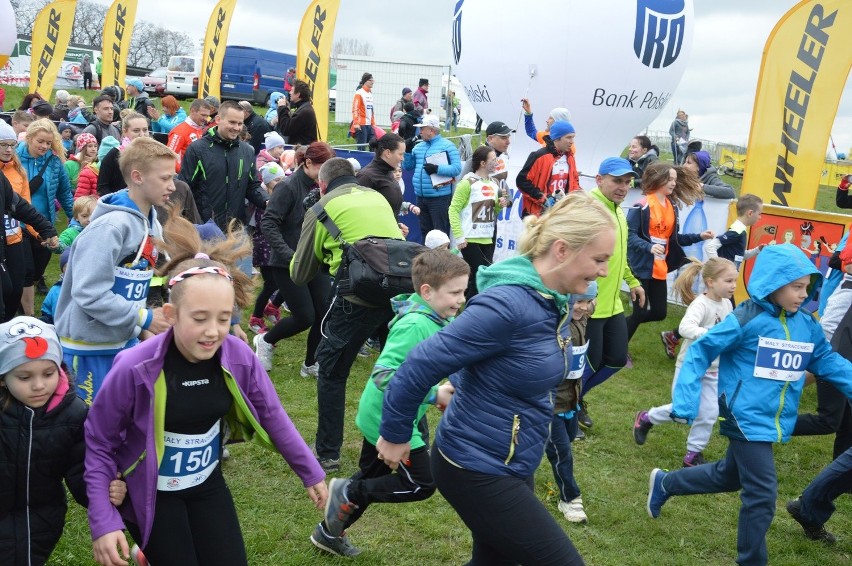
[[607, 329]]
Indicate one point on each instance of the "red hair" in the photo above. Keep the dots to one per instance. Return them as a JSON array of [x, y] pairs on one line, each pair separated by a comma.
[[170, 103], [318, 152]]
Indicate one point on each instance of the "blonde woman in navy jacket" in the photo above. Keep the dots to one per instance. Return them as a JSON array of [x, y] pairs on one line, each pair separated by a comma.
[[506, 353]]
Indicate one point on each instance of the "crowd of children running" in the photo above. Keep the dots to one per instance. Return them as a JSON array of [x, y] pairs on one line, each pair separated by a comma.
[[131, 397]]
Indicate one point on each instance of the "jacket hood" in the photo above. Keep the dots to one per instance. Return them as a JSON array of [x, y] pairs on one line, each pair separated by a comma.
[[107, 144], [60, 392], [405, 304], [518, 270], [274, 98], [119, 201], [775, 267]]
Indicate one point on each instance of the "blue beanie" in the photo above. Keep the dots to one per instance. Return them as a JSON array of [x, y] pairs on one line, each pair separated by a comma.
[[209, 231], [703, 160], [560, 128], [590, 293]]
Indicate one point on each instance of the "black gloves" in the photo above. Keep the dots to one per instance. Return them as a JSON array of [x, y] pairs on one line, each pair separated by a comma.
[[430, 168]]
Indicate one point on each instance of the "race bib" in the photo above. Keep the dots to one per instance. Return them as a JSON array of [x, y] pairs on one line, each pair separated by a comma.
[[10, 225], [578, 361], [782, 360], [131, 284], [559, 175], [188, 459]]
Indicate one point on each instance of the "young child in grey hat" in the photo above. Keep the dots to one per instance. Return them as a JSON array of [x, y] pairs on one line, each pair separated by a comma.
[[36, 400]]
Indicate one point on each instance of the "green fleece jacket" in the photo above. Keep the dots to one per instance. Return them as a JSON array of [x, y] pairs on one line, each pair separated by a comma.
[[414, 322], [609, 287]]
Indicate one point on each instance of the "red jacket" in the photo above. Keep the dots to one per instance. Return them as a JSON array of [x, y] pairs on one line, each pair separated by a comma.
[[87, 183], [181, 136], [534, 178]]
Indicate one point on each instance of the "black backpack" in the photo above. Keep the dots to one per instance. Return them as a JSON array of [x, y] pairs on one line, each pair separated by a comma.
[[374, 269]]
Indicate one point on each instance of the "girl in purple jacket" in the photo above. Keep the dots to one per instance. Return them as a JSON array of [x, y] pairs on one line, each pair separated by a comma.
[[160, 416]]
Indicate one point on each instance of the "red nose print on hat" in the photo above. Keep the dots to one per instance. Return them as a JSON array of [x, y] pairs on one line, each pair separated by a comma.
[[35, 347]]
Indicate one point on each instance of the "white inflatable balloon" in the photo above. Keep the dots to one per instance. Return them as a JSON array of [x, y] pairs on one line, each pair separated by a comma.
[[612, 64], [8, 33]]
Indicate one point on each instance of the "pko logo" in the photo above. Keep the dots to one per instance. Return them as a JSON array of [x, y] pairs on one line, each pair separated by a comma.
[[457, 13], [659, 31]]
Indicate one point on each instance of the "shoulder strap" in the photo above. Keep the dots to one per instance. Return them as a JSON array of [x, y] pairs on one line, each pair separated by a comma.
[[44, 166], [319, 210]]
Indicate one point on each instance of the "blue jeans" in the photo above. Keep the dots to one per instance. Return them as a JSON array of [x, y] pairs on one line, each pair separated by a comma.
[[750, 468], [434, 214], [834, 480], [363, 135], [346, 328], [558, 450]]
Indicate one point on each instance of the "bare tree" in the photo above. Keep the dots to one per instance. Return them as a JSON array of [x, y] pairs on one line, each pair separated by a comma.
[[152, 45], [351, 46], [25, 14], [89, 24]]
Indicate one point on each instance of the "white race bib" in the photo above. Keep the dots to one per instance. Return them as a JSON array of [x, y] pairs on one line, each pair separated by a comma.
[[782, 360], [188, 459], [132, 284], [11, 226], [578, 361]]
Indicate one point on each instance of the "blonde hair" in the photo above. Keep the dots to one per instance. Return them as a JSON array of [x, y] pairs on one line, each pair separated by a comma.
[[713, 268], [687, 187], [73, 101], [45, 125], [577, 219], [82, 204], [129, 117], [183, 243], [125, 112], [140, 153]]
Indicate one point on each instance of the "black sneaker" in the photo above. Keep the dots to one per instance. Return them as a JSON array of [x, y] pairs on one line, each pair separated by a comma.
[[641, 426], [583, 418], [335, 545], [329, 465], [338, 508], [580, 434], [41, 287], [813, 531]]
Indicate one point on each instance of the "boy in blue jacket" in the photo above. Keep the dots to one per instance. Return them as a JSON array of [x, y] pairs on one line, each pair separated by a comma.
[[764, 347]]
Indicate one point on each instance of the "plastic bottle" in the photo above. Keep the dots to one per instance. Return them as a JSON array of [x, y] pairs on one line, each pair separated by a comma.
[[696, 222]]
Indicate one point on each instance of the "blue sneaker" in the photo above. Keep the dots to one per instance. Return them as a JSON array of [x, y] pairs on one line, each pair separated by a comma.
[[657, 495]]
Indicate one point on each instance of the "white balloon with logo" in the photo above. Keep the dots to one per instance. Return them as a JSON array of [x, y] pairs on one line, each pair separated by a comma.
[[8, 33], [614, 65]]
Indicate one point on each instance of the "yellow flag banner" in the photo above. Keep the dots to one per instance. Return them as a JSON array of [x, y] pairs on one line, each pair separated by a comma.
[[214, 48], [51, 35], [313, 55], [805, 64], [118, 30]]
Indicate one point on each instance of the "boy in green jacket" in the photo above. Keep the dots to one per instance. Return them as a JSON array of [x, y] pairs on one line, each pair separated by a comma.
[[440, 279]]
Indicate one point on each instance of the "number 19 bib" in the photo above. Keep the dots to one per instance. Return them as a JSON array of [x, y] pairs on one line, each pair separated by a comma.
[[782, 360], [188, 459]]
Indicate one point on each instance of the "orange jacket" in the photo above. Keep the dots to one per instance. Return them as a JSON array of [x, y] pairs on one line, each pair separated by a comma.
[[20, 185], [181, 136], [359, 109], [534, 178]]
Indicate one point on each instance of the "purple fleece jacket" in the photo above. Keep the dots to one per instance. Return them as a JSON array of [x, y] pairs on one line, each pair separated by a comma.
[[120, 427]]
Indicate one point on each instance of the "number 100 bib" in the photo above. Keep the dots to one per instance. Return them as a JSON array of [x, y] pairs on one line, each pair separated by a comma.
[[782, 360], [188, 459]]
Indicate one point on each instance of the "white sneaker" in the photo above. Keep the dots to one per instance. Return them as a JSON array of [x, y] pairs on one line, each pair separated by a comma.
[[264, 351], [309, 371], [573, 510]]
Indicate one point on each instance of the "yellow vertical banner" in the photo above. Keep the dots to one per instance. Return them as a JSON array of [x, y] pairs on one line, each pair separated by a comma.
[[51, 35], [805, 64], [313, 55], [214, 48], [118, 30]]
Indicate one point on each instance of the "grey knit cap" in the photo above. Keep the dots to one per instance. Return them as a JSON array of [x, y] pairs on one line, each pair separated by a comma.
[[25, 339]]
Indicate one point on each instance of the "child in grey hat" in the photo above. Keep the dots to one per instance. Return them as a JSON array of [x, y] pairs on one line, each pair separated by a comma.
[[37, 401]]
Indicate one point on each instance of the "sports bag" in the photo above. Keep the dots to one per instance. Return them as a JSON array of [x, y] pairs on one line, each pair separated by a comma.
[[373, 269]]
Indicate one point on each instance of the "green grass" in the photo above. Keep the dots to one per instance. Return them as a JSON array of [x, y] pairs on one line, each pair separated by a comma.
[[277, 517]]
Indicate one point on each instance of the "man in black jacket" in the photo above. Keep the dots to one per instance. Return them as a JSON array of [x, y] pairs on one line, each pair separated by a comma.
[[300, 126], [256, 125], [220, 170], [407, 128]]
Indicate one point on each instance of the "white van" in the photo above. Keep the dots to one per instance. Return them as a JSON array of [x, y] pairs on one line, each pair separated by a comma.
[[182, 76]]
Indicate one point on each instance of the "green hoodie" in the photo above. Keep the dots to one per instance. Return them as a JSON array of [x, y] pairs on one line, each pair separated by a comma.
[[519, 270], [609, 287], [414, 322]]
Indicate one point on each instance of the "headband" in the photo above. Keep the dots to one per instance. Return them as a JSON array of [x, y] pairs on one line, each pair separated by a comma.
[[210, 269]]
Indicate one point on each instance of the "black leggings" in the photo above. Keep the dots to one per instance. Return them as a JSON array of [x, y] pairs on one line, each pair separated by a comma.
[[40, 254], [508, 523], [834, 415], [196, 526], [13, 285], [307, 305], [265, 295], [656, 303], [476, 256], [607, 339]]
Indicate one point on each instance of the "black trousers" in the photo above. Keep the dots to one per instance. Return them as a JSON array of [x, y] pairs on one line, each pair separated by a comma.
[[476, 256], [834, 415], [196, 526], [376, 483], [656, 305], [12, 281], [40, 254], [307, 304], [508, 522]]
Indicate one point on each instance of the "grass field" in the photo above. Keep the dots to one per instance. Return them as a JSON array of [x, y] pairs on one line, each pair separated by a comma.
[[612, 472]]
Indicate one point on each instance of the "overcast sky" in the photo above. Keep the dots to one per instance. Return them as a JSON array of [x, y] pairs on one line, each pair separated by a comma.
[[717, 90]]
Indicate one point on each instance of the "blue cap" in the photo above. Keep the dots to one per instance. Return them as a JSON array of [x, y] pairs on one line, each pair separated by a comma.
[[560, 128], [136, 83], [590, 293], [616, 166]]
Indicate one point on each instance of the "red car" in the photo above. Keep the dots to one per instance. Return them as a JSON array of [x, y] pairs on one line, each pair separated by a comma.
[[155, 82]]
